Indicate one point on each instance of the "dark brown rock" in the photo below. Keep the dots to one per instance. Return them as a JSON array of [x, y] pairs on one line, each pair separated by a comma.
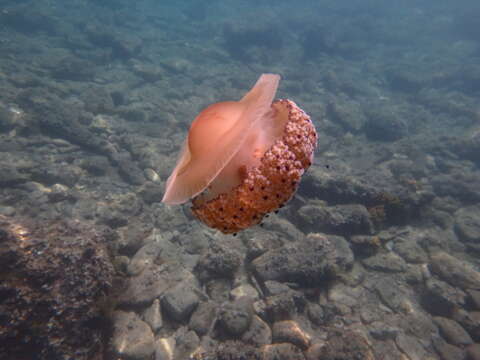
[[289, 331]]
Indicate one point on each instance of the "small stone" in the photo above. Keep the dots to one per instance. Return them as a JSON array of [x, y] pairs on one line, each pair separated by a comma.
[[289, 331], [165, 348], [414, 275], [346, 345], [151, 175], [387, 262], [258, 334], [153, 316], [246, 290], [410, 251], [390, 293], [143, 258], [454, 271], [281, 306], [203, 317], [314, 352], [467, 224], [180, 301], [452, 332], [448, 351], [474, 296], [186, 342], [306, 262], [411, 347], [282, 352], [315, 314], [152, 282], [338, 219], [132, 338], [469, 320], [58, 192], [382, 331], [442, 298], [7, 210], [473, 352], [235, 317], [220, 261], [121, 263]]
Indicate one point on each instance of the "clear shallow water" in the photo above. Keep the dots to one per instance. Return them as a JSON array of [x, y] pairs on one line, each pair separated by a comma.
[[96, 99]]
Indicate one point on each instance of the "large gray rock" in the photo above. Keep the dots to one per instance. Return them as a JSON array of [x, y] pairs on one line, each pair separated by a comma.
[[180, 301], [410, 251], [386, 262], [306, 262], [411, 346], [235, 317], [339, 219], [447, 351], [454, 271], [152, 283], [202, 319], [452, 331], [441, 298], [153, 316], [132, 338], [219, 261], [391, 293]]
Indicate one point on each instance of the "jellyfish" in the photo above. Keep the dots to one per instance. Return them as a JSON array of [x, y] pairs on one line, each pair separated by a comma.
[[243, 159]]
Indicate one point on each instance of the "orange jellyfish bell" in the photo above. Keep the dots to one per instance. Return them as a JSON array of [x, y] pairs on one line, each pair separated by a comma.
[[243, 159]]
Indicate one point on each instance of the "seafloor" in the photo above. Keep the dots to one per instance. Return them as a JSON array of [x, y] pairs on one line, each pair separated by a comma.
[[376, 257]]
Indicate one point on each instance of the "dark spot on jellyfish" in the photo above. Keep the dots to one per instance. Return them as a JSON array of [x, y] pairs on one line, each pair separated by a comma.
[[294, 183], [281, 206], [284, 181], [265, 197], [262, 188], [254, 217], [225, 229], [235, 216], [287, 168], [276, 211], [251, 189], [234, 234], [278, 196], [309, 163], [220, 209], [267, 215], [278, 168], [241, 209], [299, 136]]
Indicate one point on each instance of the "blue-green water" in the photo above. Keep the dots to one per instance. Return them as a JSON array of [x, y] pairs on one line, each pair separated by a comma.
[[375, 257]]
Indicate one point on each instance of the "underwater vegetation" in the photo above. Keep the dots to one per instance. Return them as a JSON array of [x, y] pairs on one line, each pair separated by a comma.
[[54, 277]]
